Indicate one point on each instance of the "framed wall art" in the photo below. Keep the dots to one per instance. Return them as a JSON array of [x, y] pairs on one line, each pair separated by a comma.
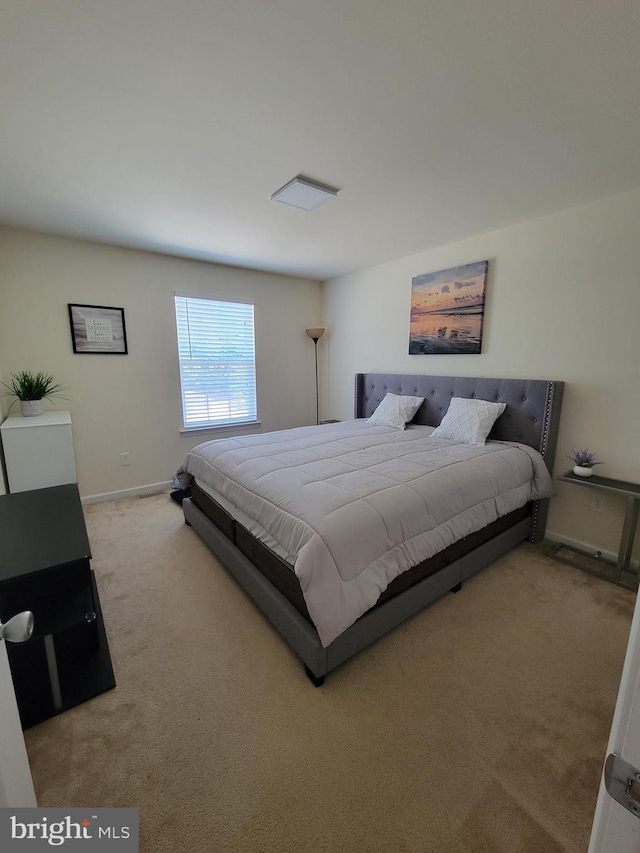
[[98, 329], [447, 310]]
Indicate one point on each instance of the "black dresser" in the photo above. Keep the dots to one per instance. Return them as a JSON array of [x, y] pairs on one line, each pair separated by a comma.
[[45, 567]]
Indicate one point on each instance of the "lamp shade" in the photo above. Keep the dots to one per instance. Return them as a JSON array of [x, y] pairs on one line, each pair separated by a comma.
[[315, 333]]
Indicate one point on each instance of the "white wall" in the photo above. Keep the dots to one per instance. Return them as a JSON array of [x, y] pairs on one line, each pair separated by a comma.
[[132, 402], [3, 406], [563, 302], [16, 785]]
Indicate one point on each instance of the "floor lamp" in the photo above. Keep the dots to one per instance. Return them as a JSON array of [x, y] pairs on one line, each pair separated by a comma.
[[315, 335]]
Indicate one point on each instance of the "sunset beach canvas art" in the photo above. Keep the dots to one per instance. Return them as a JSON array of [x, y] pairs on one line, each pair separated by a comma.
[[447, 310]]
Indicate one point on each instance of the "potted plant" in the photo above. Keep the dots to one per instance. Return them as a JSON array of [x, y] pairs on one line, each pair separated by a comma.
[[583, 462], [31, 389]]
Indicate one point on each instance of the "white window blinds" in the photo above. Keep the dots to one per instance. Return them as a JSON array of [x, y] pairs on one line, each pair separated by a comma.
[[216, 349]]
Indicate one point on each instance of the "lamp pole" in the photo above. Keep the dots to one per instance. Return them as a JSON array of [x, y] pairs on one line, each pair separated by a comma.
[[315, 346], [315, 335]]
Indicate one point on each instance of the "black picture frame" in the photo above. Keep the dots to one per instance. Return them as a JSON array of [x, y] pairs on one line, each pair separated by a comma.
[[97, 329]]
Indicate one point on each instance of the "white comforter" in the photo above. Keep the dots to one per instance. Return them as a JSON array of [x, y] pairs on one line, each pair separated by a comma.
[[355, 505]]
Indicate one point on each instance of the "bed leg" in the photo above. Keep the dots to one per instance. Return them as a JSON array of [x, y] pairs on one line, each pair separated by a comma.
[[188, 523], [316, 680], [457, 587]]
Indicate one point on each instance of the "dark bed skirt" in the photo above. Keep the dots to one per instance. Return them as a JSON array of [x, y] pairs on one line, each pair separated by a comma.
[[282, 576]]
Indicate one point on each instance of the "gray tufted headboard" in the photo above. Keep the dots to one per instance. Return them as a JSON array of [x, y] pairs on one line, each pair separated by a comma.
[[533, 405], [532, 415]]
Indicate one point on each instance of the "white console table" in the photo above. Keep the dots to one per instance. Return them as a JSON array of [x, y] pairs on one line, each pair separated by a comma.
[[38, 451]]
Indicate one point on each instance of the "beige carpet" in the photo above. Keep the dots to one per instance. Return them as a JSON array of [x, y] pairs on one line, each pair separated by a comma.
[[480, 725]]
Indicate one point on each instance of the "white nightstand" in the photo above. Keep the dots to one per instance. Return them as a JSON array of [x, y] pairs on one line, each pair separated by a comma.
[[38, 451]]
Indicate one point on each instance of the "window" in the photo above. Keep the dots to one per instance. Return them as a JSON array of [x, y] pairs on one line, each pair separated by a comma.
[[217, 362]]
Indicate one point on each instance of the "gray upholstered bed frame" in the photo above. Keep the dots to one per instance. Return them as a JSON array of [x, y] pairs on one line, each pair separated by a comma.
[[531, 417]]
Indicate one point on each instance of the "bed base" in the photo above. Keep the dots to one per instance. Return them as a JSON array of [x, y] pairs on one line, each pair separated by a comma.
[[317, 682], [302, 637]]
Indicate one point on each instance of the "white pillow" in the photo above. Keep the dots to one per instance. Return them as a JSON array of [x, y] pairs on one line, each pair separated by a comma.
[[395, 411], [469, 421]]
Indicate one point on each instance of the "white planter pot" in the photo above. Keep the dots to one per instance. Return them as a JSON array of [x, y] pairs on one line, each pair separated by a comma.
[[582, 471], [31, 408]]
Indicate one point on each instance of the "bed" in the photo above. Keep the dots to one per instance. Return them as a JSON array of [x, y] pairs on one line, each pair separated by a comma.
[[246, 526]]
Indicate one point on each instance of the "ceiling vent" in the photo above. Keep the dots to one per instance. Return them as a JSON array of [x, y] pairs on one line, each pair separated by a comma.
[[304, 193]]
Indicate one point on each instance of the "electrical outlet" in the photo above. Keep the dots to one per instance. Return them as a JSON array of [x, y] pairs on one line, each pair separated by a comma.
[[125, 458], [597, 503]]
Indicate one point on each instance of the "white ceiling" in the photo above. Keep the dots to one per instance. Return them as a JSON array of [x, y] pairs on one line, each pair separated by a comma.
[[168, 124]]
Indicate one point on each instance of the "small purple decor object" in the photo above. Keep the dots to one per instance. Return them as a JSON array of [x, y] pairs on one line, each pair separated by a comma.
[[583, 461]]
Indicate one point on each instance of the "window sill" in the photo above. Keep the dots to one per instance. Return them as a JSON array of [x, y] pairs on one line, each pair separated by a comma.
[[220, 428]]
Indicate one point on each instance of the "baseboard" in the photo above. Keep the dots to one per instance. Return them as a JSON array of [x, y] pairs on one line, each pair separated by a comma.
[[587, 547], [127, 493]]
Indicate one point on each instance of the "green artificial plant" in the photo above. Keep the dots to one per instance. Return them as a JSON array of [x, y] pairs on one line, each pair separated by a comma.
[[27, 385]]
